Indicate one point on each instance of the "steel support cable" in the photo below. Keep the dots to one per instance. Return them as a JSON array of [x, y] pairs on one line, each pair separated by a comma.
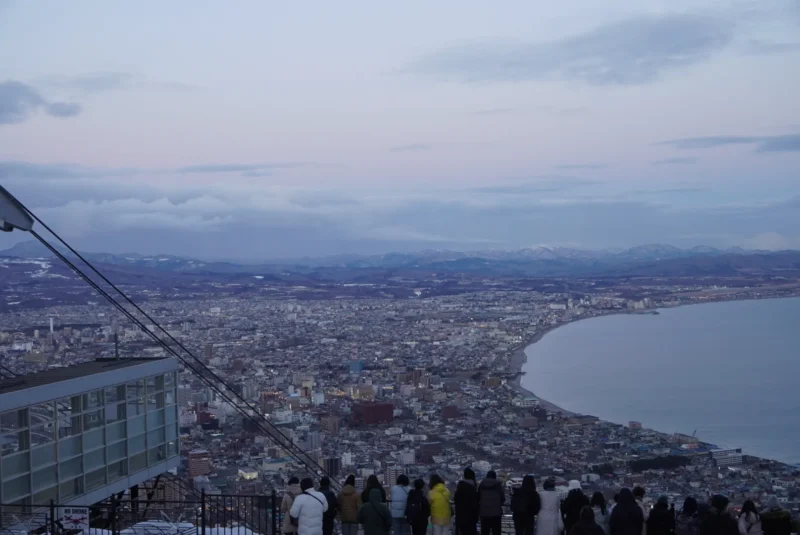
[[202, 372]]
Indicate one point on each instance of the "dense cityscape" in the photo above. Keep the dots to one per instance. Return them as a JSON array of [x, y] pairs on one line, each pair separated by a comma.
[[386, 386]]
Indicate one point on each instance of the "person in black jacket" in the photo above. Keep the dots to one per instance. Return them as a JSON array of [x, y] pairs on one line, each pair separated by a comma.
[[491, 498], [525, 505], [373, 483], [418, 509], [571, 509], [718, 521], [586, 524], [626, 517], [466, 504], [774, 519], [333, 506], [661, 521]]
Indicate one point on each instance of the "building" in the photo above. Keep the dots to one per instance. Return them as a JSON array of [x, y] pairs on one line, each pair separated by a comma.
[[372, 413], [391, 474], [332, 466], [330, 424], [199, 463], [79, 434], [727, 457], [427, 450], [209, 352], [634, 425]]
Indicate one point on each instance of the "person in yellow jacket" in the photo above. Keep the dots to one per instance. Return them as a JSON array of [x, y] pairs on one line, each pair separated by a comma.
[[439, 497]]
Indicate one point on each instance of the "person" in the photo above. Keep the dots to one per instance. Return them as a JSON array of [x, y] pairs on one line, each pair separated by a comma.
[[525, 506], [349, 505], [292, 490], [575, 501], [586, 524], [774, 519], [598, 504], [439, 498], [549, 520], [308, 509], [638, 494], [718, 521], [466, 504], [399, 498], [627, 517], [373, 483], [418, 510], [687, 522], [661, 521], [491, 499], [333, 505], [749, 519], [374, 515], [616, 499]]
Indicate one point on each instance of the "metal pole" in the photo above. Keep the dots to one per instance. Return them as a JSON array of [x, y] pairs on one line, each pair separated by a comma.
[[274, 512], [52, 517], [203, 512]]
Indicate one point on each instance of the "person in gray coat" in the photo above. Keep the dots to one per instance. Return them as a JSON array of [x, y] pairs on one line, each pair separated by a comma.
[[491, 498]]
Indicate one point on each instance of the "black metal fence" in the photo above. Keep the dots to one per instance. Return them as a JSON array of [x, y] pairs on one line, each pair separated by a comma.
[[209, 514]]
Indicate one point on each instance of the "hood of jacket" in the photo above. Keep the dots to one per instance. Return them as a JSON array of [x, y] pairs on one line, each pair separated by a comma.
[[775, 514], [294, 490], [489, 484], [469, 482], [348, 490], [375, 496]]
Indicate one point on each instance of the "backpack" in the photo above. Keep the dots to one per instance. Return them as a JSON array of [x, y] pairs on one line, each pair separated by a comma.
[[519, 505], [417, 508]]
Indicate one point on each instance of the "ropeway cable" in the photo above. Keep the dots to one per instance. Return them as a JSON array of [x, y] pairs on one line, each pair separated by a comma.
[[283, 441]]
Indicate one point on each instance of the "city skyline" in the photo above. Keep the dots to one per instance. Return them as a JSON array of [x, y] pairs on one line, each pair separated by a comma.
[[270, 132]]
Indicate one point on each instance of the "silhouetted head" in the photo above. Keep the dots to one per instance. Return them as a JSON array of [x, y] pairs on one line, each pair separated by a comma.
[[749, 507], [528, 483], [587, 516], [324, 482], [435, 480], [293, 481], [419, 484], [306, 484], [372, 482], [491, 474], [402, 480], [638, 493], [720, 502], [626, 497], [351, 480], [689, 506], [469, 474], [598, 500], [550, 484]]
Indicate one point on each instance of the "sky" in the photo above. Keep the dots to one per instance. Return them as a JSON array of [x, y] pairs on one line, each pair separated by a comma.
[[261, 130]]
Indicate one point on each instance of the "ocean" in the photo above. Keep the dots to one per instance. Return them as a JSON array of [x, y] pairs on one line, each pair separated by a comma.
[[730, 371]]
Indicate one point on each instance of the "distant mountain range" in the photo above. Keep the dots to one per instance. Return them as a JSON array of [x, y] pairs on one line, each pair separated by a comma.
[[643, 260]]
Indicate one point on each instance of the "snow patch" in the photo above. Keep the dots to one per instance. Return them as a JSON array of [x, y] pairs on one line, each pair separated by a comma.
[[258, 276]]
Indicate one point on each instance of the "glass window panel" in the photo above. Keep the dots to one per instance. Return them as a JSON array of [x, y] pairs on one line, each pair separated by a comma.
[[156, 436], [14, 442], [70, 468], [92, 400], [117, 451], [44, 478], [13, 420], [42, 413], [93, 419], [170, 397], [172, 448], [17, 487], [93, 439], [116, 431], [69, 447], [137, 444], [155, 419], [156, 455], [155, 401], [43, 434], [117, 470], [172, 414], [115, 394], [136, 389], [46, 455], [116, 412], [96, 478], [135, 406], [44, 496], [138, 462], [155, 383], [169, 379], [136, 426], [172, 432], [70, 489], [19, 463], [94, 459], [69, 426]]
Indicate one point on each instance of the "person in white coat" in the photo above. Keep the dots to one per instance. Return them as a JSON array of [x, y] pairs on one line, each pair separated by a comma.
[[549, 520], [308, 508]]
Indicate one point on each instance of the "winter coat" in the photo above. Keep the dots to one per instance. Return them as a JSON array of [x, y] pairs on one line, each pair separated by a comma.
[[660, 521], [645, 514], [308, 508], [375, 516], [466, 503], [601, 518], [719, 523], [491, 498], [687, 525], [418, 509], [776, 521], [399, 499], [586, 529], [286, 505], [750, 524], [549, 521], [349, 504], [439, 498], [571, 508], [529, 501], [333, 503], [627, 517]]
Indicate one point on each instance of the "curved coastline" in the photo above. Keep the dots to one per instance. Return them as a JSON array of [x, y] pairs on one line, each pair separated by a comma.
[[520, 357]]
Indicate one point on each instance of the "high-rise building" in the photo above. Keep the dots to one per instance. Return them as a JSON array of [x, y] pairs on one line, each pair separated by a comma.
[[372, 413], [209, 352], [199, 463], [333, 466], [330, 424], [391, 474], [417, 375]]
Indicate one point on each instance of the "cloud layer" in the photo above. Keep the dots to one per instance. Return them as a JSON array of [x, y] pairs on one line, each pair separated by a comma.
[[19, 101]]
